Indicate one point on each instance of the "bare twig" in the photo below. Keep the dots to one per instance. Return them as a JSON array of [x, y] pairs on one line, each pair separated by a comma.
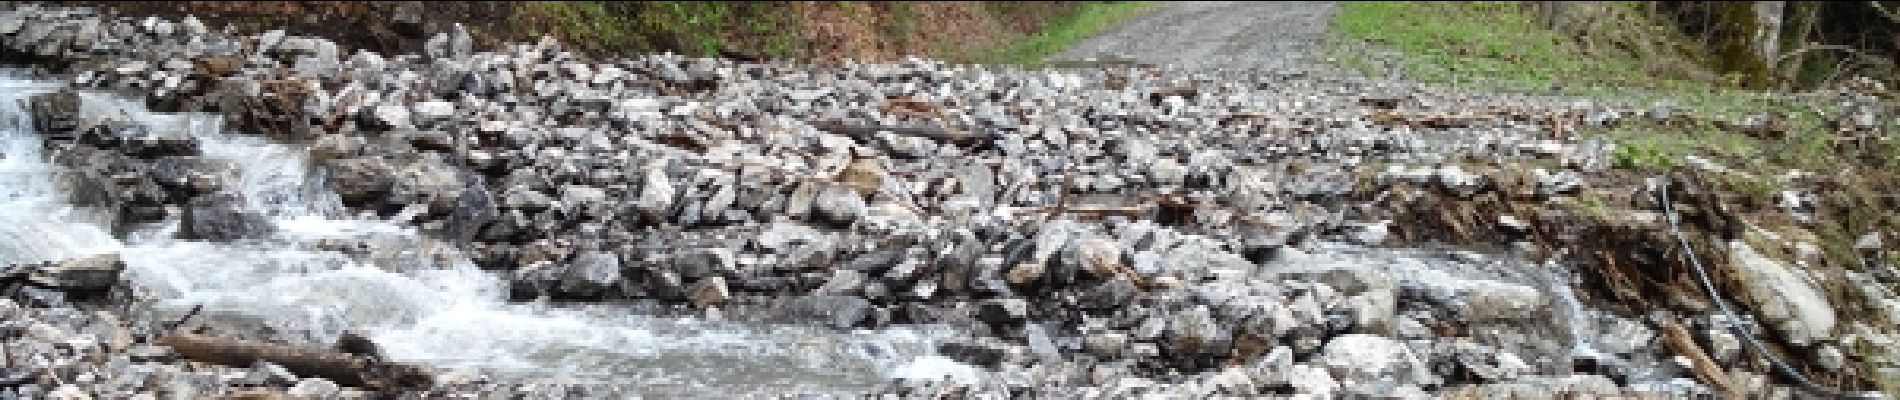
[[1884, 12], [1813, 47]]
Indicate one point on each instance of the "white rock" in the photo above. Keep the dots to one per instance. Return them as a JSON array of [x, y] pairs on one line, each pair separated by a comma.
[[1791, 302], [1310, 380], [432, 110], [314, 388], [1360, 357], [69, 392], [1723, 345]]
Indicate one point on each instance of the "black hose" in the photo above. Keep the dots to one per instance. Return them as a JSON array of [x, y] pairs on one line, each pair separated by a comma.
[[1708, 286]]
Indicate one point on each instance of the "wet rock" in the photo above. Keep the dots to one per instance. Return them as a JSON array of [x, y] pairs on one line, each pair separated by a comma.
[[221, 218], [591, 275], [980, 352], [837, 311], [89, 273], [1107, 344], [1003, 311]]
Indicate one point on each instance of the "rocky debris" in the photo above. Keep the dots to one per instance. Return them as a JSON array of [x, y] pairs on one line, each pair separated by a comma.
[[1107, 228]]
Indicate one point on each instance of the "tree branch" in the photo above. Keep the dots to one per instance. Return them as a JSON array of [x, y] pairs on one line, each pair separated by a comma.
[[1884, 12]]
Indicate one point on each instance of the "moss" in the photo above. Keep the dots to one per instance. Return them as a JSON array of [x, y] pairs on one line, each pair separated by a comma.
[[1735, 44]]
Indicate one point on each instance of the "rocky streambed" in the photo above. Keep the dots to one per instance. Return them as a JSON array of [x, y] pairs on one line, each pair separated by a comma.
[[534, 221]]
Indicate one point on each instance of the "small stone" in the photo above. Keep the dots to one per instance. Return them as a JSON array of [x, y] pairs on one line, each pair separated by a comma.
[[1107, 344], [314, 388], [708, 291], [1723, 345], [1830, 357], [1003, 311], [1024, 274]]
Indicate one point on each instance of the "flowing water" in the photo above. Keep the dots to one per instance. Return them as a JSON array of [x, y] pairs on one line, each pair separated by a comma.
[[411, 295]]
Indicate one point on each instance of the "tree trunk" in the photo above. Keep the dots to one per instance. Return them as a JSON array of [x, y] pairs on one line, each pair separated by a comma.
[[1805, 14], [1551, 13], [1768, 17], [1737, 44]]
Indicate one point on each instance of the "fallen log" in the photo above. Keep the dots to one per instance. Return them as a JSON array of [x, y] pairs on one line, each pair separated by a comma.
[[340, 367], [1705, 368], [869, 132]]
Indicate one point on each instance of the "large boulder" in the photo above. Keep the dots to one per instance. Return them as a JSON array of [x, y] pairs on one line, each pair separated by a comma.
[[1361, 358], [221, 218], [1792, 302]]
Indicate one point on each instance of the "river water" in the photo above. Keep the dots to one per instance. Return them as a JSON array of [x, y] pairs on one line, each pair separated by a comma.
[[414, 297]]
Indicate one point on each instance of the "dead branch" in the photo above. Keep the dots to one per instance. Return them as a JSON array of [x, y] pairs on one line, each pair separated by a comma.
[[342, 368], [1705, 368]]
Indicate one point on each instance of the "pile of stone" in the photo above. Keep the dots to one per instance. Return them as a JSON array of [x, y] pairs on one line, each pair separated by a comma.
[[1109, 230]]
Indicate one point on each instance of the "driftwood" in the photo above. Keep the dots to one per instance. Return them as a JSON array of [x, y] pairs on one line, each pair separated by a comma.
[[336, 366], [1705, 368], [868, 132]]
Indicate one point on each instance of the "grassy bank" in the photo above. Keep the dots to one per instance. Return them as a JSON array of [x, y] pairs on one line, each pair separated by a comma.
[[1611, 51]]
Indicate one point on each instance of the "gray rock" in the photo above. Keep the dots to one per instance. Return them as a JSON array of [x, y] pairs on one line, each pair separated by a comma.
[[842, 282], [705, 262], [592, 274], [527, 199], [838, 204], [216, 218], [1194, 333], [1003, 311], [838, 311], [1364, 358], [84, 273]]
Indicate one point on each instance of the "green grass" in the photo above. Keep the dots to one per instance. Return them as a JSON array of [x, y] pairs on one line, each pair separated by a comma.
[[1501, 45], [590, 26], [1087, 20], [693, 28]]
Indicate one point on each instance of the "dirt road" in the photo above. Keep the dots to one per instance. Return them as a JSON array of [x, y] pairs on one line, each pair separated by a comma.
[[1274, 36]]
